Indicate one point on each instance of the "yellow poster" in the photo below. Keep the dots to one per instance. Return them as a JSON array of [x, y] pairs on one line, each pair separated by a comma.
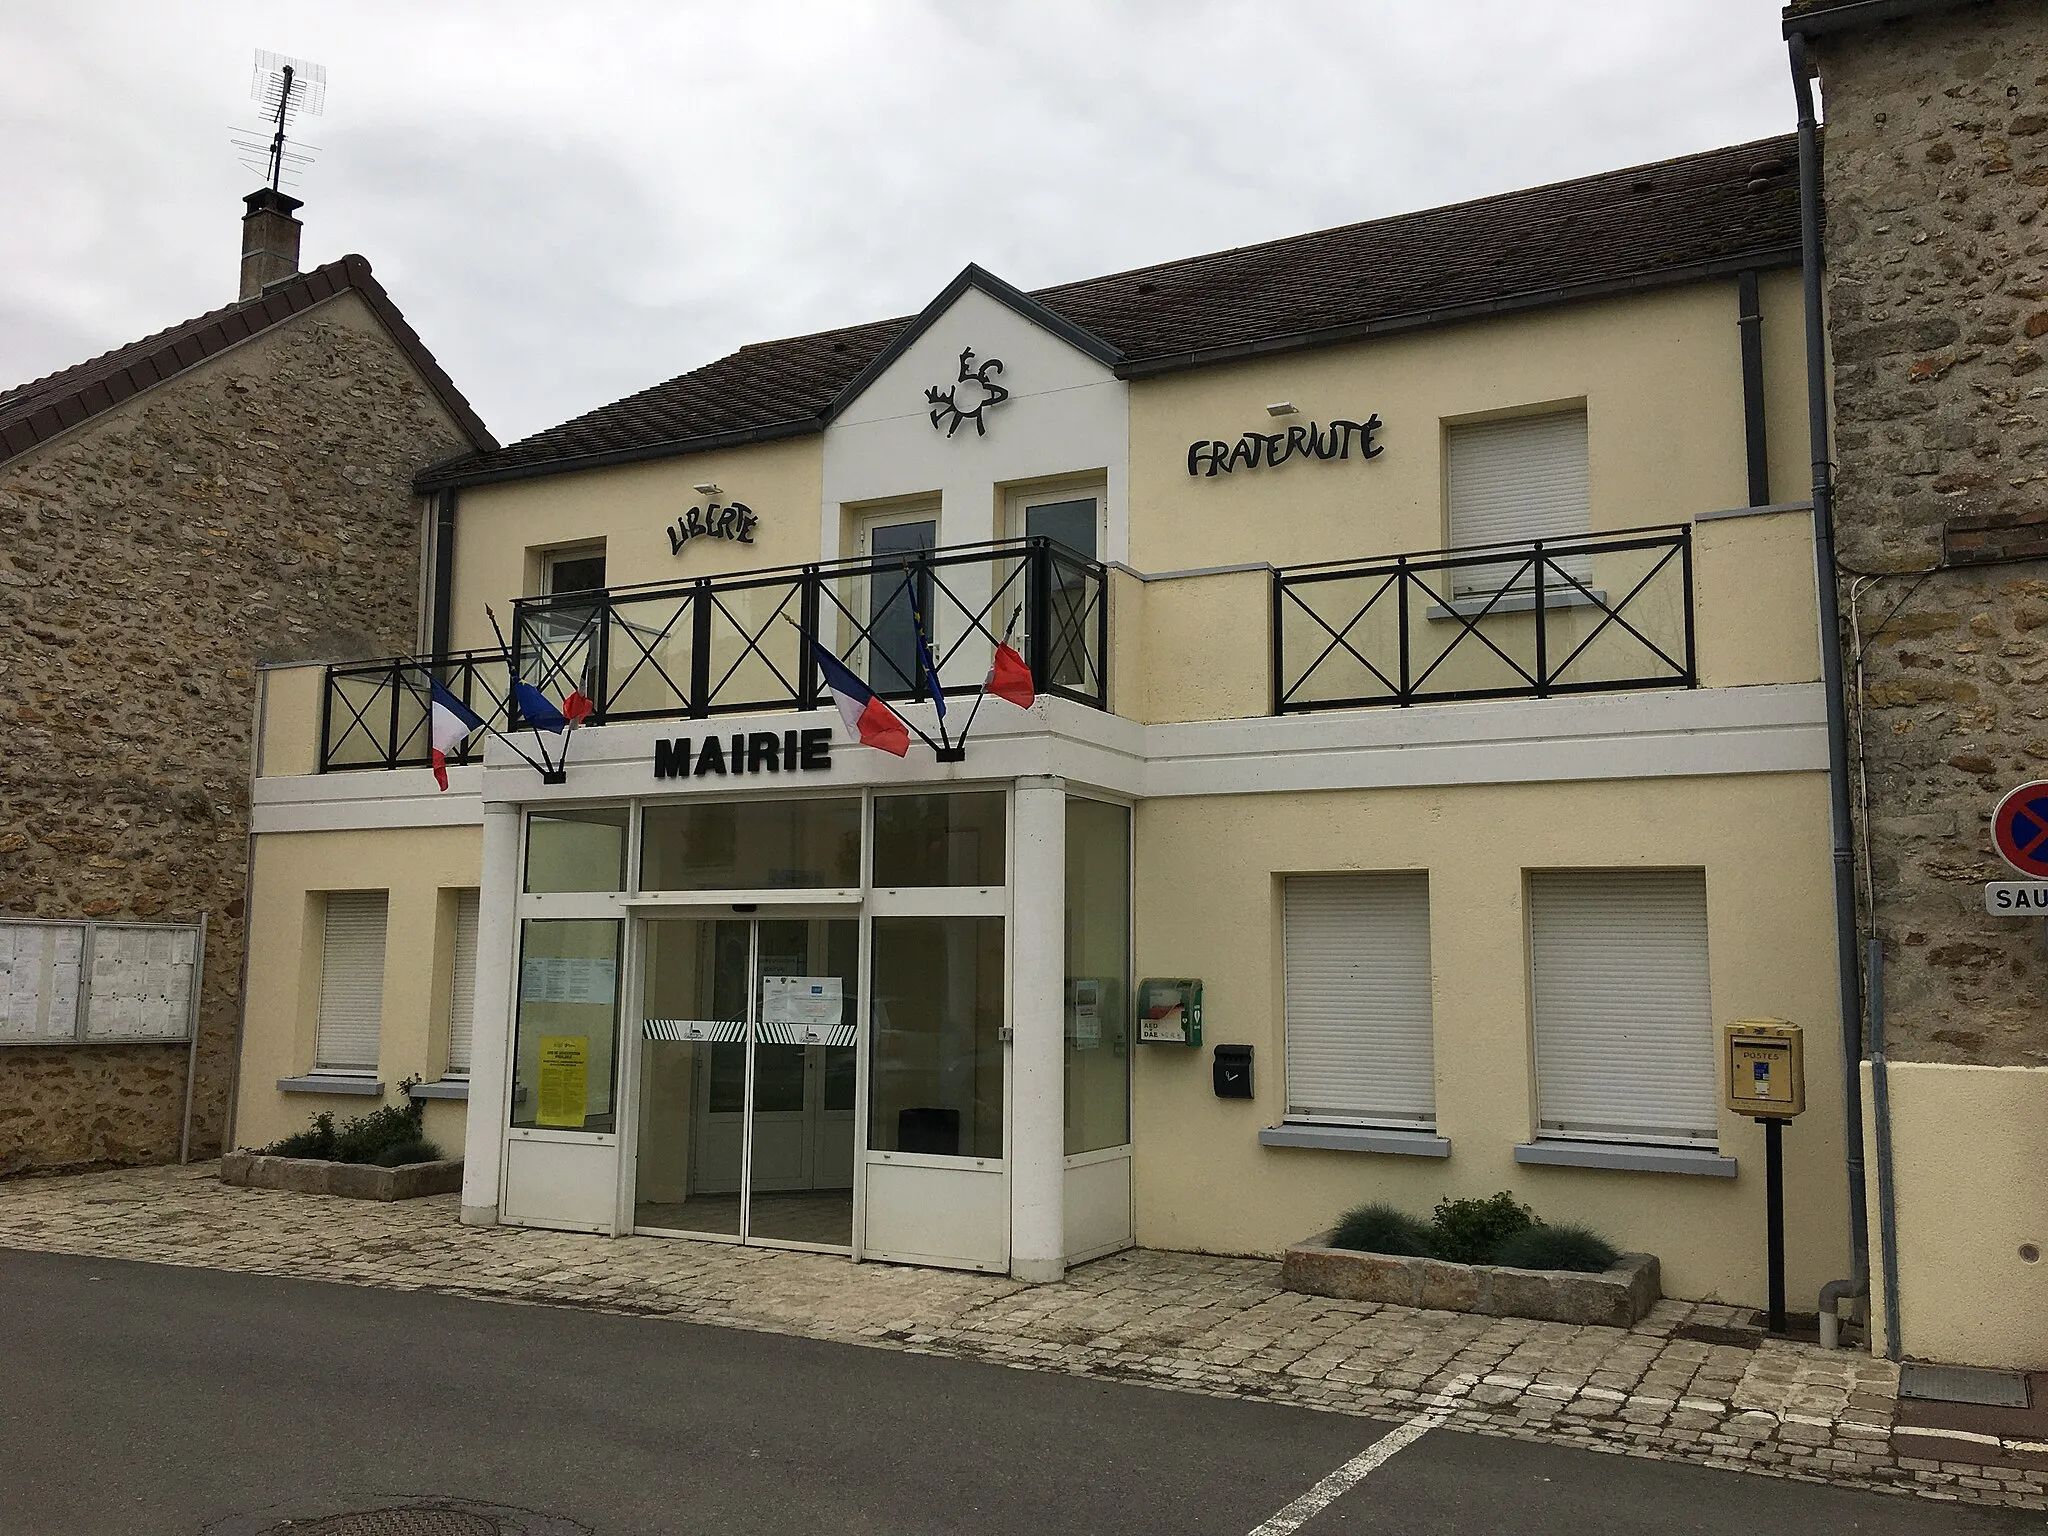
[[564, 1080]]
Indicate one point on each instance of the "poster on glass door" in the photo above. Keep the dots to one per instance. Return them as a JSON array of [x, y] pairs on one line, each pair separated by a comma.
[[804, 1010]]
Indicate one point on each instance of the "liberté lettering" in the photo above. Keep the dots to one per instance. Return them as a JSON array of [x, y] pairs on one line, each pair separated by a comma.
[[1272, 449], [745, 752], [736, 522]]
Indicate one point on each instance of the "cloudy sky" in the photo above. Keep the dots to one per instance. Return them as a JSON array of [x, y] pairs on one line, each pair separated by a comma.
[[573, 202]]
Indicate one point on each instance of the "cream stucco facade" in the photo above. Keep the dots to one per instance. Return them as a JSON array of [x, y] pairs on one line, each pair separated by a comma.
[[1721, 772]]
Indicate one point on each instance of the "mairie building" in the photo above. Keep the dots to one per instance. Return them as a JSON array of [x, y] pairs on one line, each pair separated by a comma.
[[1426, 756]]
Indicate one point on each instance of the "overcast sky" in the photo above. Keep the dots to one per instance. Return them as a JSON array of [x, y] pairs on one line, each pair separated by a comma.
[[571, 202]]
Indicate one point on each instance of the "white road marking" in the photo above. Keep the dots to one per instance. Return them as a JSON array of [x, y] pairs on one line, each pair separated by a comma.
[[1355, 1471]]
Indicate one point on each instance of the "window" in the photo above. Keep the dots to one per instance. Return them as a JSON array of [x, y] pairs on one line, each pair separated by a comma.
[[927, 840], [462, 985], [751, 845], [936, 1083], [898, 597], [1357, 1001], [351, 981], [566, 1042], [1512, 482], [1098, 981], [572, 570], [1072, 519], [1624, 1027], [576, 850]]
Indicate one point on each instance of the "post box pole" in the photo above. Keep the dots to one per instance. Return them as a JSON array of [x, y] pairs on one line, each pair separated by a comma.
[[1774, 1217]]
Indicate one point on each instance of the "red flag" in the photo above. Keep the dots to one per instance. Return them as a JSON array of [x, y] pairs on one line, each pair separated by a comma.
[[1010, 678], [577, 708]]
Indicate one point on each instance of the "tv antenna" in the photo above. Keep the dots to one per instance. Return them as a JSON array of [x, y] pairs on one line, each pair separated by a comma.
[[286, 88]]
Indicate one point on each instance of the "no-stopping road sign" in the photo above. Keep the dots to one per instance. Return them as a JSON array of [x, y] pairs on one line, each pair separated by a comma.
[[2019, 829]]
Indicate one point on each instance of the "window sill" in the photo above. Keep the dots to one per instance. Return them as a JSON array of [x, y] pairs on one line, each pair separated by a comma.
[[1624, 1155], [446, 1088], [1357, 1138], [1513, 602], [323, 1083]]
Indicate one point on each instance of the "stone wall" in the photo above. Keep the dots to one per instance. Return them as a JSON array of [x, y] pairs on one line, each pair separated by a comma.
[[1936, 175], [257, 507]]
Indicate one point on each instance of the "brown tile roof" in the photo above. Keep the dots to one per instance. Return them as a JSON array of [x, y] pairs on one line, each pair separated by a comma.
[[1644, 227], [37, 411]]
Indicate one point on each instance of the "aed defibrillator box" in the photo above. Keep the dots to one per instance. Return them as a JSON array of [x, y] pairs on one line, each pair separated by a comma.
[[1170, 1011], [1766, 1068]]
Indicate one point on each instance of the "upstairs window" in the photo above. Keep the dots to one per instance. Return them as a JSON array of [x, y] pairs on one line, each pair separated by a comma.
[[1513, 482]]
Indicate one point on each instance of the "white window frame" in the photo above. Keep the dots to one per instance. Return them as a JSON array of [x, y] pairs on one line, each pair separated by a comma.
[[1374, 1006], [321, 1065], [1580, 1023], [1018, 500]]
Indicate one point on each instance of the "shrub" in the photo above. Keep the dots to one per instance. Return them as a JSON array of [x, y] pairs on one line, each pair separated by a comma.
[[361, 1140], [400, 1153], [1560, 1247], [317, 1140], [1382, 1229], [1472, 1231]]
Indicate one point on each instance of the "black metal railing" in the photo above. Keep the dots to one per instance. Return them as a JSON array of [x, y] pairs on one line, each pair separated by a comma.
[[742, 643], [1532, 620], [374, 714]]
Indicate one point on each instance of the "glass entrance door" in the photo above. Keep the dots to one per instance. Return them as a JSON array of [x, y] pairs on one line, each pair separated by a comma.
[[747, 1071]]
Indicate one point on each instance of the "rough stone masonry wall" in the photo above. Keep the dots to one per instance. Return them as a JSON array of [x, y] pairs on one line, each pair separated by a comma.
[[255, 508], [1936, 174]]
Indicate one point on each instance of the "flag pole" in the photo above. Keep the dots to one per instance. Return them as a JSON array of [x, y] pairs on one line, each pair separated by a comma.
[[1008, 630], [946, 752], [908, 723], [547, 769]]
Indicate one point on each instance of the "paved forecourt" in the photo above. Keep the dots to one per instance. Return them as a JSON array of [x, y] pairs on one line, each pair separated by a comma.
[[1691, 1382]]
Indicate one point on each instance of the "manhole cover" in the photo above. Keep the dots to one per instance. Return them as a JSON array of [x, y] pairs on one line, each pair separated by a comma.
[[1963, 1384], [393, 1522]]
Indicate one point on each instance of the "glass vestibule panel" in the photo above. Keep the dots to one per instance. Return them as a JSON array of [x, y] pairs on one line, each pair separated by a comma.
[[936, 1073], [746, 1078], [693, 1075], [939, 840], [1098, 975], [567, 1033], [576, 850], [751, 845]]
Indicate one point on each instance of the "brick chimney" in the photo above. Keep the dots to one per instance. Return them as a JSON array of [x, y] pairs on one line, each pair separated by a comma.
[[270, 240]]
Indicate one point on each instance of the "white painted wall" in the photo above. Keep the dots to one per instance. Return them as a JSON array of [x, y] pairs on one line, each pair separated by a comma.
[[1067, 414]]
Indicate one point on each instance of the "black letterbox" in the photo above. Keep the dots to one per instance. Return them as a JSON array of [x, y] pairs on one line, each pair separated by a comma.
[[1233, 1071]]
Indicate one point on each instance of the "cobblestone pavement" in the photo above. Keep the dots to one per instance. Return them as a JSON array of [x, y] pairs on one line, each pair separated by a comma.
[[1176, 1320]]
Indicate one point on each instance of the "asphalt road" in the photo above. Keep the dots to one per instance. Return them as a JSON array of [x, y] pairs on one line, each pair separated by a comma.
[[168, 1402]]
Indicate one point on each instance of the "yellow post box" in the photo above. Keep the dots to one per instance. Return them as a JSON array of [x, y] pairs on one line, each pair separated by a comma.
[[1766, 1068]]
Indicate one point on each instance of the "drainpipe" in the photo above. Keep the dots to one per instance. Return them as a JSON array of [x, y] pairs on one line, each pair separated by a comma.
[[1846, 958], [1881, 1112], [442, 596]]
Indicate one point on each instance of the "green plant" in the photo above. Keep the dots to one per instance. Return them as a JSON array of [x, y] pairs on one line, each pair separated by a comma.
[[317, 1140], [1561, 1247], [361, 1140], [400, 1153], [1382, 1229], [1472, 1231]]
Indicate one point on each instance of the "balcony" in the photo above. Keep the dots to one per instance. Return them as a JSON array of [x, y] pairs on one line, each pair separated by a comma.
[[1499, 621], [742, 644], [1727, 601]]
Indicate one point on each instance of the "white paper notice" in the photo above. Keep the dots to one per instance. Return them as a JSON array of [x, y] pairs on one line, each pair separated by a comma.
[[567, 979], [808, 1002]]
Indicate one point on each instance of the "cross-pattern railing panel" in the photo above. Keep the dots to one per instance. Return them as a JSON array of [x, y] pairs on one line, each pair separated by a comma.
[[1502, 621], [375, 713]]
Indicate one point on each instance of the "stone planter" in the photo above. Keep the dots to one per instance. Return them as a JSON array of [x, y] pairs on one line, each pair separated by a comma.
[[357, 1181], [1616, 1298]]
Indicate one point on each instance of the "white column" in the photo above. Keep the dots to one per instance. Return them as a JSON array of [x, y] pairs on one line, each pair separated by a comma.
[[497, 941], [1038, 944]]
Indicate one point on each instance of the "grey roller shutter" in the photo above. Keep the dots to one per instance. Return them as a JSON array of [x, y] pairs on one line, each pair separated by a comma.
[[462, 989], [1624, 1023], [1359, 1046], [351, 981], [1516, 481]]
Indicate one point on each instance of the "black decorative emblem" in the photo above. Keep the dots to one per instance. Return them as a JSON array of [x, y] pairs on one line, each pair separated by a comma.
[[946, 409]]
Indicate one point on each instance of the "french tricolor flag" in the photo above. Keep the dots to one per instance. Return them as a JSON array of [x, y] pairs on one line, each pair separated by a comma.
[[872, 722], [453, 721]]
